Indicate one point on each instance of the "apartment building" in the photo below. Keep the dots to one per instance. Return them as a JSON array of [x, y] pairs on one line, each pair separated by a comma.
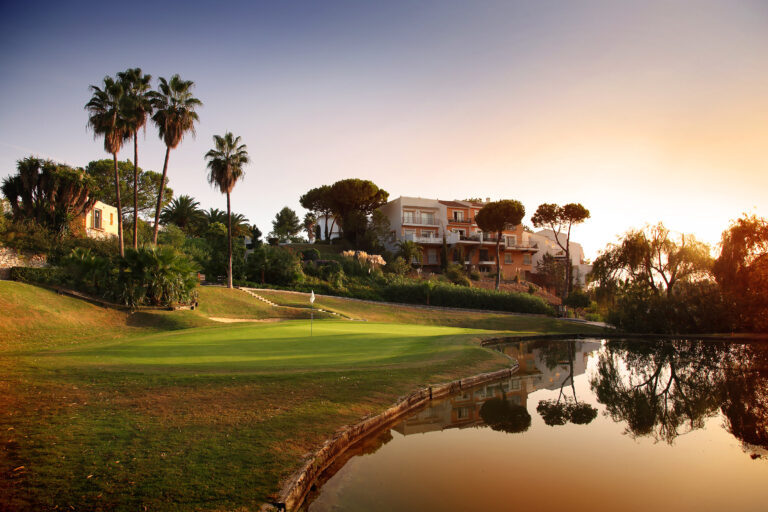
[[427, 221]]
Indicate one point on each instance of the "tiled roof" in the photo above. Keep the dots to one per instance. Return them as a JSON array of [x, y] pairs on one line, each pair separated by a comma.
[[453, 204]]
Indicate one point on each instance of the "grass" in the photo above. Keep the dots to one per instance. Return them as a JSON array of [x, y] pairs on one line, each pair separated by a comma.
[[375, 312], [105, 410]]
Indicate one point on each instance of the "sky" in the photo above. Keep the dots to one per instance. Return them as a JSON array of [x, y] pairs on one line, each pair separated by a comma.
[[641, 111]]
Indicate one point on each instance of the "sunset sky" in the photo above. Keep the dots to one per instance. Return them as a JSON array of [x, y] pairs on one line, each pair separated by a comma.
[[643, 112]]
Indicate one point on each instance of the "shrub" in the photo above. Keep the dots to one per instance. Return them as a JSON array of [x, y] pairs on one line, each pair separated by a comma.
[[310, 254], [397, 266], [274, 265], [577, 299], [158, 276], [28, 236], [455, 274], [45, 275], [531, 289], [474, 275]]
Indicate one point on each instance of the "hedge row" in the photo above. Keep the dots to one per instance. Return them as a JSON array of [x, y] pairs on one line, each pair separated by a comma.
[[45, 275], [463, 297]]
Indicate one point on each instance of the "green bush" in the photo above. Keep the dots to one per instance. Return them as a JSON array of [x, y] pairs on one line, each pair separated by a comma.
[[577, 299], [310, 254], [147, 276], [157, 276], [46, 275], [273, 265], [456, 275], [474, 275], [28, 236]]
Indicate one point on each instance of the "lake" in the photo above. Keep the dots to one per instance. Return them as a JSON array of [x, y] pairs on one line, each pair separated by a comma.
[[582, 425]]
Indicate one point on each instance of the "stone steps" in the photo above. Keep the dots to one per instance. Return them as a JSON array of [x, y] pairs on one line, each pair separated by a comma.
[[267, 301]]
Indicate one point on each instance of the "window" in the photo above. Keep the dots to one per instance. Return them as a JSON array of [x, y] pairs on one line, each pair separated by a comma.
[[507, 259], [428, 218], [526, 259], [432, 256], [458, 216], [460, 232], [408, 217], [111, 219], [484, 255], [409, 234], [462, 413], [427, 234], [96, 219], [511, 240]]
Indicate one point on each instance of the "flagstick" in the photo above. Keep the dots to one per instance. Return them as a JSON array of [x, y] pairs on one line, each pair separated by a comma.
[[312, 311]]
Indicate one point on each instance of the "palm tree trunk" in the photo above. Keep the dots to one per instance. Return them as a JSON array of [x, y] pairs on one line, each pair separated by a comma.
[[229, 243], [498, 261], [135, 190], [160, 195], [119, 209]]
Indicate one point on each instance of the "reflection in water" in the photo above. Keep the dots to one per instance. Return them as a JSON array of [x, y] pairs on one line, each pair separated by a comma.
[[446, 458], [667, 388], [565, 408]]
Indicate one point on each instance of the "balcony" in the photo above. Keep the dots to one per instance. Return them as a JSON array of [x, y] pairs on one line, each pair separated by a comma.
[[521, 247], [415, 221]]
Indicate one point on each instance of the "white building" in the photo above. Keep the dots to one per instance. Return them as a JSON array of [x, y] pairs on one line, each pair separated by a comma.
[[334, 230], [546, 239]]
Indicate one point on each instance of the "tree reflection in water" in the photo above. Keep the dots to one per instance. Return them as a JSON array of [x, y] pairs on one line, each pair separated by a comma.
[[667, 388], [560, 411], [501, 415]]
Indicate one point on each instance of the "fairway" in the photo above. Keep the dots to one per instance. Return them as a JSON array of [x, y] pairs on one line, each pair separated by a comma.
[[284, 346]]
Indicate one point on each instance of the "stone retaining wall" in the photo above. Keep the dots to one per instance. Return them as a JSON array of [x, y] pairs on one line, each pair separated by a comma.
[[12, 258], [295, 490]]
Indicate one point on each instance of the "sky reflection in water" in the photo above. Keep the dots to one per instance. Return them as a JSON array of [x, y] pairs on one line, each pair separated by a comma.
[[626, 425]]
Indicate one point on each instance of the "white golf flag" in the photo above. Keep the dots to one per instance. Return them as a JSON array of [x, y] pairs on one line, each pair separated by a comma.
[[312, 297]]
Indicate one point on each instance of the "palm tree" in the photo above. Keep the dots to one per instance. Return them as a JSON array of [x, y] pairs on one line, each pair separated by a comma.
[[183, 211], [106, 119], [174, 116], [410, 251], [137, 105], [226, 163]]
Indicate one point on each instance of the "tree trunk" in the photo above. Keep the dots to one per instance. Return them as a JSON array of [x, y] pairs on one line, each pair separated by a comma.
[[135, 190], [160, 195], [325, 225], [119, 209], [229, 243], [498, 261], [328, 237]]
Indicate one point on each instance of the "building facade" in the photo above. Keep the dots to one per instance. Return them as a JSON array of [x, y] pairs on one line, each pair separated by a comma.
[[100, 221], [546, 240], [427, 221]]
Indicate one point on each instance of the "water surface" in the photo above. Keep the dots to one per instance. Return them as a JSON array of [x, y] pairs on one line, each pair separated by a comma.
[[668, 425]]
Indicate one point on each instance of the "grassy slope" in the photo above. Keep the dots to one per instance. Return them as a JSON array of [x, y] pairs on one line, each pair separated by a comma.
[[221, 302], [205, 418], [520, 324], [33, 317]]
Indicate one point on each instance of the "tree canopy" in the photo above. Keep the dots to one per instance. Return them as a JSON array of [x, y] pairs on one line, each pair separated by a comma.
[[653, 257], [148, 185], [497, 216], [48, 193], [559, 219], [741, 270], [286, 225]]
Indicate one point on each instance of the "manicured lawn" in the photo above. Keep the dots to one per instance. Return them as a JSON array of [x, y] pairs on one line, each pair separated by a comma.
[[107, 410]]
